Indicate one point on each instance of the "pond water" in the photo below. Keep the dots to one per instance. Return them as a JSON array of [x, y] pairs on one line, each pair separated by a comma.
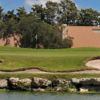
[[46, 96]]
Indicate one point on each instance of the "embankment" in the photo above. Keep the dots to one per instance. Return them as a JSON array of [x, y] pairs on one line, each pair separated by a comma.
[[52, 85]]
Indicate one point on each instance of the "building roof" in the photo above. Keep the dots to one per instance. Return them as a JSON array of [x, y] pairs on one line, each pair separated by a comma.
[[84, 36]]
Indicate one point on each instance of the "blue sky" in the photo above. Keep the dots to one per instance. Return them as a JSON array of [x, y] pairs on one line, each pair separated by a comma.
[[95, 4], [14, 4]]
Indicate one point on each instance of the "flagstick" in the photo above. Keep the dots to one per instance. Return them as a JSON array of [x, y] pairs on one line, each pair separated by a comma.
[[36, 42], [36, 47]]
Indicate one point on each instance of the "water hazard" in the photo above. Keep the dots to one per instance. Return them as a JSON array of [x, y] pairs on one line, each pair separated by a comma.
[[46, 96]]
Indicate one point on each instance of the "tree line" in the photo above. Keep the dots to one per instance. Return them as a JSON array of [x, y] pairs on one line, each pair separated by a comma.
[[44, 21]]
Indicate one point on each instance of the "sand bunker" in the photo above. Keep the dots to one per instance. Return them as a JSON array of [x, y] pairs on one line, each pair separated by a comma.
[[37, 71], [31, 71], [94, 63], [27, 71]]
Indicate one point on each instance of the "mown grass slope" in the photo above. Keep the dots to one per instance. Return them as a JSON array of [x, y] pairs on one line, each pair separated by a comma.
[[49, 76], [46, 59]]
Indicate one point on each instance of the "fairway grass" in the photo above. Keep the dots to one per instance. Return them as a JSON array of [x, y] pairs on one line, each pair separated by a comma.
[[54, 60]]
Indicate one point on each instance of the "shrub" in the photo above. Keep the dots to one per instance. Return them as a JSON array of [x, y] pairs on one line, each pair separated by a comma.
[[66, 89], [67, 43]]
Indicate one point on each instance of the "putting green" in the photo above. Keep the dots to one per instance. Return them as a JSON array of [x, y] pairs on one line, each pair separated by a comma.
[[46, 59]]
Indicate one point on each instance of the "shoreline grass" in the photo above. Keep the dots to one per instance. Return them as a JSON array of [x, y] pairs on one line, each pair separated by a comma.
[[49, 76]]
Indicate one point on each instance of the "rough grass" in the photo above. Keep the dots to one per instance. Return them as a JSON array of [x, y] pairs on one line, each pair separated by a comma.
[[46, 59], [50, 76]]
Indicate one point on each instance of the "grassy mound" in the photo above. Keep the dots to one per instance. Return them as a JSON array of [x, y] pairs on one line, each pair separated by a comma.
[[46, 59]]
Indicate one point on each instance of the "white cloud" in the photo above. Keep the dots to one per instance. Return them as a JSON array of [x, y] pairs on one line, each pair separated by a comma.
[[31, 2], [79, 6]]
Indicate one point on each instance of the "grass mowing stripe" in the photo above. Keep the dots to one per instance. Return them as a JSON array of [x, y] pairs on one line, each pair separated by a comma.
[[46, 59]]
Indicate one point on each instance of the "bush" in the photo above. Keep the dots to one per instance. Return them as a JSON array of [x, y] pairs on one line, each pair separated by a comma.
[[66, 89], [67, 43], [72, 86]]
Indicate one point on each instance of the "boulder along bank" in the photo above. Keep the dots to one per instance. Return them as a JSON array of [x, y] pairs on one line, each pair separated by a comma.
[[58, 85]]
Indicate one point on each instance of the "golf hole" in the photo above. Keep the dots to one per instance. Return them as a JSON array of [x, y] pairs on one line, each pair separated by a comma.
[[0, 62]]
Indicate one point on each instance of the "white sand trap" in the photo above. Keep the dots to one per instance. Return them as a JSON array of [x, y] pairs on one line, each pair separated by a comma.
[[37, 71], [31, 71], [93, 63], [27, 71]]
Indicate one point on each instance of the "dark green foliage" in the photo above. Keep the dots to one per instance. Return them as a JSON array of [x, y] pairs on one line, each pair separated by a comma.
[[8, 25], [67, 43], [54, 80], [1, 13], [66, 89], [7, 29], [72, 86], [49, 89], [28, 27], [51, 12], [88, 17], [21, 86], [67, 12], [9, 15], [46, 35], [21, 12], [38, 11]]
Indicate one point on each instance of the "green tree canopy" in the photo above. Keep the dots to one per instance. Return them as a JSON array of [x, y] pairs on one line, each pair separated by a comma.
[[38, 11], [27, 27], [1, 13], [9, 16], [51, 12], [67, 12], [88, 17], [21, 12]]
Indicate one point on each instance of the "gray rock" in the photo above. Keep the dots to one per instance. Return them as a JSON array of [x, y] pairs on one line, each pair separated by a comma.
[[63, 82], [25, 81], [83, 89], [23, 84], [90, 88], [75, 81], [96, 81], [59, 89], [86, 81], [3, 83], [90, 81], [13, 81], [38, 90], [40, 82], [72, 90]]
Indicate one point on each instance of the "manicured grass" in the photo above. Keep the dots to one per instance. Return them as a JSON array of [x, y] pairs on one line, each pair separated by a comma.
[[46, 59]]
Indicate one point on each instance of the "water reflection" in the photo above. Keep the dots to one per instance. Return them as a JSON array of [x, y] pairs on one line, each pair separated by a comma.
[[46, 96]]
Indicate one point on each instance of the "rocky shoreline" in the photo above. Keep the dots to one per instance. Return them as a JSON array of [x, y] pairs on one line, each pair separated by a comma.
[[57, 85]]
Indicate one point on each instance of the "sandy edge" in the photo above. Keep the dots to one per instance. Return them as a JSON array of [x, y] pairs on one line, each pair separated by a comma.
[[37, 71]]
